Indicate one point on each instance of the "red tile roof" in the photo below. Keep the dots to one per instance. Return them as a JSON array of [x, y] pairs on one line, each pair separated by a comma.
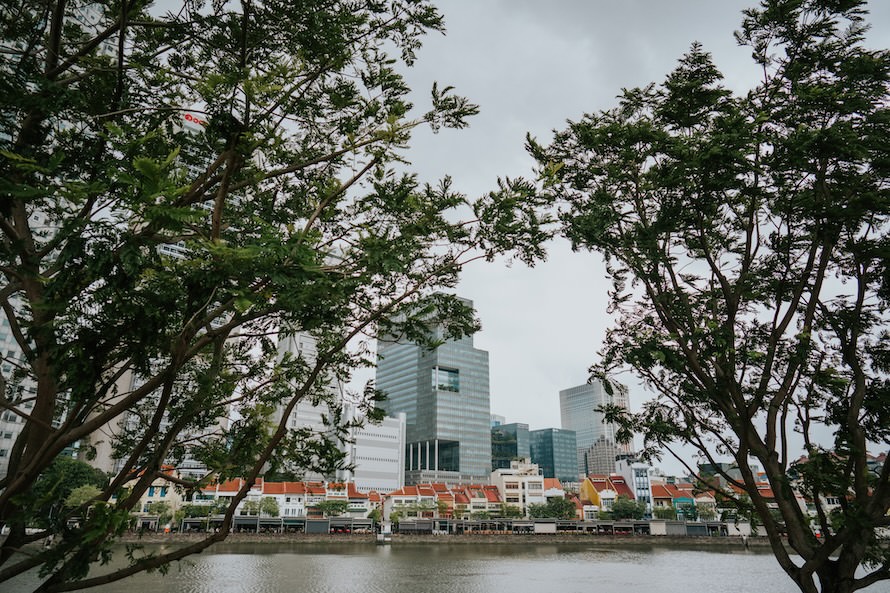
[[352, 492], [492, 494], [550, 483], [619, 485], [660, 491]]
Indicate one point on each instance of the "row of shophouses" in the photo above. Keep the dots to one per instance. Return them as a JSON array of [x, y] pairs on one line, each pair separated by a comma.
[[510, 492]]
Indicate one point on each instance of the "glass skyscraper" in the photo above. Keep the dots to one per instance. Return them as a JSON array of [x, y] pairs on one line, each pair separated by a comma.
[[555, 451], [444, 395], [509, 442], [578, 408]]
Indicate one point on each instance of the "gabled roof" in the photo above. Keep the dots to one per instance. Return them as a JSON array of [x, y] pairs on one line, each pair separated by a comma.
[[619, 485], [273, 488], [600, 482], [492, 494], [660, 491], [552, 483], [461, 498], [352, 492]]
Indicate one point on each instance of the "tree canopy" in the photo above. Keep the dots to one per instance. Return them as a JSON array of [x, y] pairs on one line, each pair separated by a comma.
[[555, 507], [178, 190], [746, 239]]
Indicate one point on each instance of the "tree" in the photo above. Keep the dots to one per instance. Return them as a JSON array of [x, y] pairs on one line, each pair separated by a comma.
[[82, 495], [269, 506], [375, 515], [554, 508], [746, 240], [332, 508], [178, 190], [626, 508], [162, 509], [510, 511], [55, 486], [665, 513]]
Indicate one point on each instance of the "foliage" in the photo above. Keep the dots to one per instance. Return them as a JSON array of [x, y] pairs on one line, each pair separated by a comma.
[[687, 512], [269, 506], [510, 511], [375, 515], [82, 495], [395, 517], [624, 507], [555, 507], [162, 509], [706, 512], [665, 513], [746, 239], [56, 484], [179, 190], [332, 508], [480, 515]]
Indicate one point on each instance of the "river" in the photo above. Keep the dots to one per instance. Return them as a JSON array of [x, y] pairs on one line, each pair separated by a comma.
[[444, 568]]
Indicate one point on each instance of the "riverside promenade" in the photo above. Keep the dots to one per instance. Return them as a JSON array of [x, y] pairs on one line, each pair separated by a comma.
[[667, 541]]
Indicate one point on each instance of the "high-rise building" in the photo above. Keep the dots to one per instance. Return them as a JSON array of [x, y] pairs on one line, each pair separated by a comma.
[[444, 394], [509, 442], [377, 455], [600, 457], [579, 411], [555, 451]]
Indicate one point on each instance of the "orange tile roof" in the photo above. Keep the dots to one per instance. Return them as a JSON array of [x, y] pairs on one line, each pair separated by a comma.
[[492, 494], [551, 483], [353, 493], [273, 488], [660, 491]]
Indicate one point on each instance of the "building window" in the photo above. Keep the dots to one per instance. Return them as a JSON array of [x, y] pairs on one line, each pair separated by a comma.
[[446, 379]]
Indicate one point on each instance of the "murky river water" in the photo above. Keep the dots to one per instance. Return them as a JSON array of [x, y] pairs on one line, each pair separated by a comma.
[[435, 568]]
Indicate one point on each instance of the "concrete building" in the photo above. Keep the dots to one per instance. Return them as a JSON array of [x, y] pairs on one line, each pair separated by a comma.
[[444, 394], [637, 475], [600, 457], [509, 442], [554, 450], [520, 485], [579, 411], [377, 455]]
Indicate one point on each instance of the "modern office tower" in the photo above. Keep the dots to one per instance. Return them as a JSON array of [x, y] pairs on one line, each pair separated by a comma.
[[578, 408], [377, 455], [509, 442], [599, 458], [444, 394], [497, 420], [555, 451], [301, 345]]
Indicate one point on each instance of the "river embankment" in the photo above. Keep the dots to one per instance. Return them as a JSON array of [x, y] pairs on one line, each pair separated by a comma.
[[678, 542]]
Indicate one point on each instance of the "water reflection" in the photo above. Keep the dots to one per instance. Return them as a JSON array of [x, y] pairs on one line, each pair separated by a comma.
[[435, 568]]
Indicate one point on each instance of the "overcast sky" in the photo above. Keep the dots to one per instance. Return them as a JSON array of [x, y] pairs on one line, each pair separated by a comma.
[[532, 65]]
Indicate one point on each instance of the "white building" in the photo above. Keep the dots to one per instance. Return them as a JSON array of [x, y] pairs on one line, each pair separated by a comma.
[[377, 455], [520, 485], [637, 475]]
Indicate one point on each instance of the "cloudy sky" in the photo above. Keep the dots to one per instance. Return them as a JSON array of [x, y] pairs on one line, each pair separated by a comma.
[[532, 65]]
